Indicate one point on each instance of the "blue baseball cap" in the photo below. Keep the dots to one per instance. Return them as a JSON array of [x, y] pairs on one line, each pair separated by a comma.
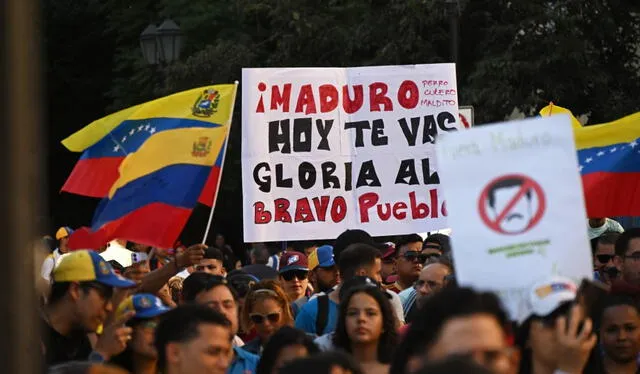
[[87, 266], [322, 257], [145, 305]]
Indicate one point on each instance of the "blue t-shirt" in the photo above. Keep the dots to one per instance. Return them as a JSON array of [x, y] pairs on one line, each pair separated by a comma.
[[243, 362], [308, 314]]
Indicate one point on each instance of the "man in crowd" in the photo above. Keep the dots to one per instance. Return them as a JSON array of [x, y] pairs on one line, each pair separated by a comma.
[[294, 275], [194, 339], [212, 262], [320, 315], [323, 273], [620, 335], [628, 261], [432, 279], [214, 292], [604, 253], [62, 236], [434, 246], [456, 321], [79, 303], [409, 262]]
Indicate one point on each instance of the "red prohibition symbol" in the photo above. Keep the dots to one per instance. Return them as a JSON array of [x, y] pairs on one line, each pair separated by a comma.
[[512, 204]]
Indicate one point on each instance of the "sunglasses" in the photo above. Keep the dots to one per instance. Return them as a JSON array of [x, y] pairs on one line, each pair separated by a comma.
[[415, 256], [259, 319], [604, 258], [299, 274]]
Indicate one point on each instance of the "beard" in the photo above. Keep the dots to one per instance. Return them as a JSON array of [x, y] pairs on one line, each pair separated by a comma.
[[324, 287]]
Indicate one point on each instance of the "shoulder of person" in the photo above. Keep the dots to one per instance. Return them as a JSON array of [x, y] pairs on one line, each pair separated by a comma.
[[243, 354]]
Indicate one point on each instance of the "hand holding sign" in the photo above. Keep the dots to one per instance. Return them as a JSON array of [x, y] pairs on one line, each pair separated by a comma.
[[512, 191]]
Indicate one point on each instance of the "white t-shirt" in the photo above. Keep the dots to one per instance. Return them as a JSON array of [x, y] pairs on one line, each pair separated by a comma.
[[49, 263], [609, 226], [325, 342]]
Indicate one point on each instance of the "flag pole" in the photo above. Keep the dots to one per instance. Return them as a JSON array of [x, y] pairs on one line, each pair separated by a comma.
[[226, 142]]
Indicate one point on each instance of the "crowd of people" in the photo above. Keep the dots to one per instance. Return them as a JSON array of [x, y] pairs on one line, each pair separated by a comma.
[[349, 305]]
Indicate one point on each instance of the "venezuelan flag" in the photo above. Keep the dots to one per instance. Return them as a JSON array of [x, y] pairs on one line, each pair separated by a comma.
[[107, 141], [159, 183], [609, 159]]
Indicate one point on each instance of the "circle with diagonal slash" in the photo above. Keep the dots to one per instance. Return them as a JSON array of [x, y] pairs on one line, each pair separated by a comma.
[[512, 204]]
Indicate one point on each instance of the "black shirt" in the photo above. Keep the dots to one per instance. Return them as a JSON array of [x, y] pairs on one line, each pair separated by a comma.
[[59, 349]]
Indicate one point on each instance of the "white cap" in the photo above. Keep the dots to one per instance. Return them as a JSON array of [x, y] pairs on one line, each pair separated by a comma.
[[546, 296]]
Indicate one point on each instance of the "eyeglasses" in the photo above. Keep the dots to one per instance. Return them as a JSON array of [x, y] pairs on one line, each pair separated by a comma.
[[603, 259], [299, 274], [414, 256], [259, 319], [203, 267]]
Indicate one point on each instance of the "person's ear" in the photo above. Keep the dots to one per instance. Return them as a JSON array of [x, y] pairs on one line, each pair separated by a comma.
[[362, 272], [618, 262], [173, 353], [74, 291]]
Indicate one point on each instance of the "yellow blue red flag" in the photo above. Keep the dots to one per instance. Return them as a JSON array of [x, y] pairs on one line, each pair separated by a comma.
[[609, 159], [151, 163]]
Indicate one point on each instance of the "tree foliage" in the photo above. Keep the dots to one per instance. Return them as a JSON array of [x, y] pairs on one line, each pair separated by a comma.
[[513, 54]]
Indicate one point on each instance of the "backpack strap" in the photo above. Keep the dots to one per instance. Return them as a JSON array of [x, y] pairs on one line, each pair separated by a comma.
[[323, 314]]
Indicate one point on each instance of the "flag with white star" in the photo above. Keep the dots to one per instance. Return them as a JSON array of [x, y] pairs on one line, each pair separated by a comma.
[[609, 162]]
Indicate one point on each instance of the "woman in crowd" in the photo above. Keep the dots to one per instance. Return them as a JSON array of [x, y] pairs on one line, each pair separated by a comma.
[[366, 328], [284, 346], [266, 308], [140, 355]]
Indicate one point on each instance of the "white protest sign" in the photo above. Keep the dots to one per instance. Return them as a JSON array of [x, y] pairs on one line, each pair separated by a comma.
[[516, 206], [330, 149]]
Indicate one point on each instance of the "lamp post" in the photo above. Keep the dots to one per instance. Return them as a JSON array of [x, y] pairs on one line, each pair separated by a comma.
[[453, 11], [162, 44]]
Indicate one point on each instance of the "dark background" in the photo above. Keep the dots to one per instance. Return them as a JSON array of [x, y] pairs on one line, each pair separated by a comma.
[[582, 55]]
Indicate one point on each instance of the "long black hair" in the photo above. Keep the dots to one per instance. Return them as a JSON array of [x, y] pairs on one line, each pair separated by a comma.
[[388, 338], [285, 337]]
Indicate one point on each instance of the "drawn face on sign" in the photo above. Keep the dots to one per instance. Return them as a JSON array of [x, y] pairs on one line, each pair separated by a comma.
[[511, 208]]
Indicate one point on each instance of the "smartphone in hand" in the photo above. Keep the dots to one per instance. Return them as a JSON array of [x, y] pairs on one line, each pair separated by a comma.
[[137, 257]]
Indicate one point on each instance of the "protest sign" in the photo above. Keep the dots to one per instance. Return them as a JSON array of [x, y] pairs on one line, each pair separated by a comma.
[[516, 205], [330, 149]]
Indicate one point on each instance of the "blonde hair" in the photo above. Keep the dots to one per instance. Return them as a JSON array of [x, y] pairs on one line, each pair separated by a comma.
[[266, 289]]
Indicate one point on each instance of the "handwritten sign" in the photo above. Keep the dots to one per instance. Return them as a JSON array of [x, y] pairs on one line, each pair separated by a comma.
[[328, 149], [516, 206]]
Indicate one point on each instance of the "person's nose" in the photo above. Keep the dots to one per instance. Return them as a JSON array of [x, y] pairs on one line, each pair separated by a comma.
[[108, 306]]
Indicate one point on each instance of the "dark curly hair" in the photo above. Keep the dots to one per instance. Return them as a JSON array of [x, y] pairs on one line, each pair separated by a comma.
[[285, 337], [436, 311], [389, 337]]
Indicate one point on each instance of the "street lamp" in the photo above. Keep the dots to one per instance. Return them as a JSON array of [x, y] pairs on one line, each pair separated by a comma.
[[453, 11], [161, 44]]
